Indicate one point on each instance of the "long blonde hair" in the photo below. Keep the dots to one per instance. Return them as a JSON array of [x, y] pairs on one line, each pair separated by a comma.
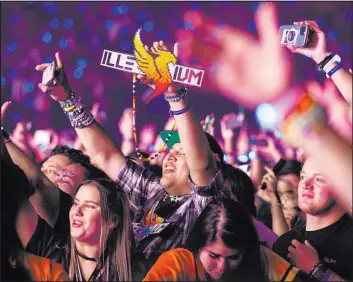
[[117, 240]]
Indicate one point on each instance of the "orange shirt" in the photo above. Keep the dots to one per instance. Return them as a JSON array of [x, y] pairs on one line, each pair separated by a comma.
[[180, 265], [44, 269]]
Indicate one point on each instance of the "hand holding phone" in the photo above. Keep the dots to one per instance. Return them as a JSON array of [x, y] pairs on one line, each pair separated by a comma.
[[48, 74]]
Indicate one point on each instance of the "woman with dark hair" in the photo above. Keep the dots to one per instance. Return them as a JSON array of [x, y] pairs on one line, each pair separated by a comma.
[[223, 245]]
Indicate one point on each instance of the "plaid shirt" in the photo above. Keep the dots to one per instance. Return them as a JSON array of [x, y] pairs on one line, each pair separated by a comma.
[[144, 191]]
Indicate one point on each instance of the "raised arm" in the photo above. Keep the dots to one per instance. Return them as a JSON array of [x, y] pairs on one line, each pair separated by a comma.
[[198, 154], [100, 146], [45, 197], [342, 78]]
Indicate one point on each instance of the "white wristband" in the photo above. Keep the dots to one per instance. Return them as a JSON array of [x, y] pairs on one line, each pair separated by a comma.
[[335, 59]]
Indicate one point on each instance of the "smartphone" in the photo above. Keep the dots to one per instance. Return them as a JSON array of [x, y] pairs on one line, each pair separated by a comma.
[[296, 35], [276, 169], [260, 142], [236, 121], [42, 137], [48, 74]]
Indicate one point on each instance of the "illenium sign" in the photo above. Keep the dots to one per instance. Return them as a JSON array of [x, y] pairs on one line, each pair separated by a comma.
[[127, 62]]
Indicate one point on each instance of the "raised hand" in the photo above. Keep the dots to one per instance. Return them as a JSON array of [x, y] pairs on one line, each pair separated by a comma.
[[154, 50], [61, 90], [247, 71], [125, 124], [317, 50], [4, 108], [227, 133], [269, 151]]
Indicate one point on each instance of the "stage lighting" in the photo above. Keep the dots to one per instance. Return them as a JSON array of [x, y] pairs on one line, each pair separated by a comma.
[[28, 87], [48, 59], [12, 46], [148, 26], [141, 16], [47, 37], [108, 24], [123, 31], [54, 22], [78, 73], [266, 116], [3, 81], [116, 11], [81, 63], [63, 43], [68, 23], [346, 49], [124, 9], [277, 134]]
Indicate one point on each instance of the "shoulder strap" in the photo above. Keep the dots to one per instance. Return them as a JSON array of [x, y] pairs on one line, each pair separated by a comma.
[[286, 273]]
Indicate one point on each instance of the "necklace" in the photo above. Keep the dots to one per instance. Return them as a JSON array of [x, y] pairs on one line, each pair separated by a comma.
[[85, 257], [155, 155]]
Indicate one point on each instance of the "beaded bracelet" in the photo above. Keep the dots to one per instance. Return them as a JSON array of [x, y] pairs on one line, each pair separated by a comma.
[[332, 71], [77, 112], [324, 61], [180, 95], [179, 112]]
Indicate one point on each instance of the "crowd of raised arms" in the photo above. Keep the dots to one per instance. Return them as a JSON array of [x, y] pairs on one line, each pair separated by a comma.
[[97, 211]]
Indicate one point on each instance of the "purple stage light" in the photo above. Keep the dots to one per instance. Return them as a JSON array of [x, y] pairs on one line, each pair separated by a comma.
[[54, 22], [68, 23], [78, 73], [12, 46], [81, 63], [47, 37], [28, 87]]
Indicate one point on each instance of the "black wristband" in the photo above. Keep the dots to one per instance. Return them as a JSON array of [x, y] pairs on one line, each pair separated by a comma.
[[324, 61], [5, 135]]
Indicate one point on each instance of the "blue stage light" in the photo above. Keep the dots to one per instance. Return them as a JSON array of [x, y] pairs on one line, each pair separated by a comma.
[[68, 23], [116, 11], [3, 81], [48, 59], [196, 5], [78, 73], [124, 9], [54, 22], [12, 46], [346, 49], [28, 86], [148, 26], [47, 37], [81, 63], [63, 43], [51, 7], [125, 45], [108, 24], [141, 16]]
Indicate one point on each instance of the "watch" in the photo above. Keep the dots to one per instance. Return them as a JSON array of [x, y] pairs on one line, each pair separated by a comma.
[[318, 271]]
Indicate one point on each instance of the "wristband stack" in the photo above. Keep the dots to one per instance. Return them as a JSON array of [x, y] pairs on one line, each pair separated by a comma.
[[330, 64], [77, 112], [180, 95], [318, 271]]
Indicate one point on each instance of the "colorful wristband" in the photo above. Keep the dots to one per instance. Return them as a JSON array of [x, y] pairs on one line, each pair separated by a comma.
[[180, 112], [332, 71], [324, 61]]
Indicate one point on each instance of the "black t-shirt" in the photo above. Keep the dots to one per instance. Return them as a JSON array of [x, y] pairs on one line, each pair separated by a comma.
[[333, 243], [50, 242]]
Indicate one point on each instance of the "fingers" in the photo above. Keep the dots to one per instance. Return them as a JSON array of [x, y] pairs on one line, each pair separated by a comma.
[[58, 60], [266, 23], [45, 88], [350, 70], [41, 67], [4, 109], [291, 249], [270, 171], [296, 243], [176, 50]]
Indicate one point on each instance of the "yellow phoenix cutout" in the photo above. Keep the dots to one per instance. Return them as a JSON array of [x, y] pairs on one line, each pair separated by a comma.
[[154, 66]]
